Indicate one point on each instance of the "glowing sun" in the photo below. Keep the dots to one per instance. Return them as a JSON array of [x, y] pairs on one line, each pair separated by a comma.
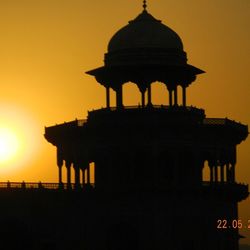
[[18, 139], [9, 144]]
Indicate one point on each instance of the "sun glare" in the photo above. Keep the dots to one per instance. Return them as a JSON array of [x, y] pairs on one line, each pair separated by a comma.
[[9, 145], [19, 139]]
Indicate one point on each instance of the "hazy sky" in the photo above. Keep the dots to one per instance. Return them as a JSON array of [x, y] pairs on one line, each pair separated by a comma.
[[47, 45]]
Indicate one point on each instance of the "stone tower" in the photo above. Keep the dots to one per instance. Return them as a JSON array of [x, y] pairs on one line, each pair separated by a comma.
[[149, 191]]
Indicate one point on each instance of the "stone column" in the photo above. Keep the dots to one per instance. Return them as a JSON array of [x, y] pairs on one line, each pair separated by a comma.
[[83, 176], [77, 175], [211, 174], [107, 97], [211, 168], [68, 166], [149, 95], [170, 97], [119, 102], [216, 173], [228, 172], [60, 176], [233, 171], [184, 100], [59, 164], [143, 99], [222, 177], [88, 175], [175, 96]]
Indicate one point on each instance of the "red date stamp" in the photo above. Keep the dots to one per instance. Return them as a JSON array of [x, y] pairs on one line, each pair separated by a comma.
[[233, 224]]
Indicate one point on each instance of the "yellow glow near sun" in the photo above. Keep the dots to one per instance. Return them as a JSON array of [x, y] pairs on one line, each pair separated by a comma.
[[19, 139], [9, 144]]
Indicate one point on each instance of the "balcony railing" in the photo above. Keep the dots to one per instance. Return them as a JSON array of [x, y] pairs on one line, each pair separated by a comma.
[[46, 185], [43, 185], [223, 121], [189, 108]]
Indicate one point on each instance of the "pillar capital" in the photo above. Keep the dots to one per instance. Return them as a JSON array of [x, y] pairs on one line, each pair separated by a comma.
[[188, 80], [142, 88], [149, 96], [171, 85], [68, 164], [211, 163]]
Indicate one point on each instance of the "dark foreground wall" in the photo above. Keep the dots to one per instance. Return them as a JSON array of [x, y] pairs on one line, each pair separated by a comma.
[[90, 220]]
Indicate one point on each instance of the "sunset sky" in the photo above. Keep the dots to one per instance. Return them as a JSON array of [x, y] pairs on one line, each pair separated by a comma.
[[47, 45]]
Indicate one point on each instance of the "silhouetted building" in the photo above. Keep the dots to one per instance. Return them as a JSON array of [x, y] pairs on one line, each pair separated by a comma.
[[149, 191], [149, 159]]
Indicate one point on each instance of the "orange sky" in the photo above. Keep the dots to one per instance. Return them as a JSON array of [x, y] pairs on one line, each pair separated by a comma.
[[47, 45]]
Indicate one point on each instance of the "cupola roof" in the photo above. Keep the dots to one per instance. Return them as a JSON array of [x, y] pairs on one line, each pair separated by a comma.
[[143, 51], [145, 31]]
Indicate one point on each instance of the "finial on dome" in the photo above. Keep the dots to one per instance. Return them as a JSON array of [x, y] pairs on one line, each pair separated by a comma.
[[144, 5]]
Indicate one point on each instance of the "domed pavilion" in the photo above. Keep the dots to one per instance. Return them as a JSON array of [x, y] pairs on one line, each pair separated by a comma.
[[147, 161], [142, 52]]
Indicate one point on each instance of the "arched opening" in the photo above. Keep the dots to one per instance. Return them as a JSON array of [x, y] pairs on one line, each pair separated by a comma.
[[179, 95], [159, 94], [131, 94], [92, 172], [206, 172], [89, 174]]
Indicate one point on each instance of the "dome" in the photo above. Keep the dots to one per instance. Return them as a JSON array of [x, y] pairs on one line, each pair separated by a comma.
[[145, 32], [144, 51], [145, 40]]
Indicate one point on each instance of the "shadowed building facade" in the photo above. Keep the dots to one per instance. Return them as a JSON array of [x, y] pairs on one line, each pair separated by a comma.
[[149, 190]]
